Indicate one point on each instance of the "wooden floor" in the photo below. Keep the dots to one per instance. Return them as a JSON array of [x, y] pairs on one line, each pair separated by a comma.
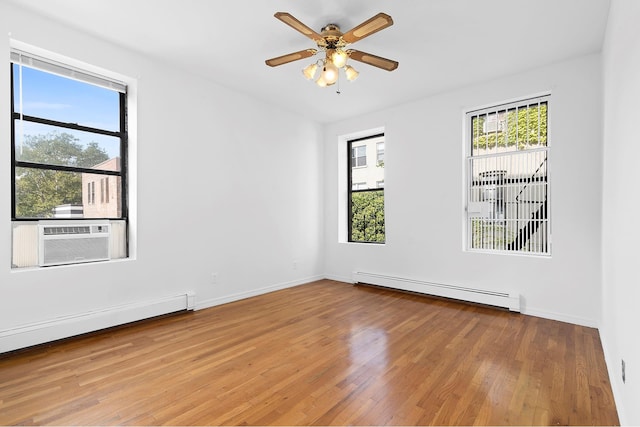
[[325, 353]]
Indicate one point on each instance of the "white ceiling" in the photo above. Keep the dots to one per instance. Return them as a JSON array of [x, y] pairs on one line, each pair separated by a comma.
[[440, 44]]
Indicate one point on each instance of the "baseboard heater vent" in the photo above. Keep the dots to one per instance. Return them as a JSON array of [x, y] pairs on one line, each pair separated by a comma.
[[481, 296]]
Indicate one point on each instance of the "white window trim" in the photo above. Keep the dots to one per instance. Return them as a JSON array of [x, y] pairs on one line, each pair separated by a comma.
[[131, 84], [342, 160], [466, 142]]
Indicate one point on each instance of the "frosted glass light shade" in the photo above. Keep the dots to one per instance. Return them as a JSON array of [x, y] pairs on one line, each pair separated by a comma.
[[330, 73], [339, 58], [310, 71], [351, 73]]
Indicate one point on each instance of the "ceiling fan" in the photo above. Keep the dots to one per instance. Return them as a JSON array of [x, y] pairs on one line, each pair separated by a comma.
[[334, 43]]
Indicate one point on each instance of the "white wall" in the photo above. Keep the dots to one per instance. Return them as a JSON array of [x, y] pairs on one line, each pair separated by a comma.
[[228, 185], [621, 206], [225, 184], [424, 195]]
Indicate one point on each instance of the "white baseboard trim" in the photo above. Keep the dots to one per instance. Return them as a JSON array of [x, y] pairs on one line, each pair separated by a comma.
[[76, 324], [337, 278], [613, 369], [68, 326], [560, 317], [200, 305]]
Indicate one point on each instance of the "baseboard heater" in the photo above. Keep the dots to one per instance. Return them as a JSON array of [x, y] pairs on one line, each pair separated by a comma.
[[480, 296], [81, 323]]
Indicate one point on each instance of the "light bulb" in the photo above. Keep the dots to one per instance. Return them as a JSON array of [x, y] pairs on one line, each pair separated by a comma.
[[310, 71], [351, 73], [339, 58], [330, 73]]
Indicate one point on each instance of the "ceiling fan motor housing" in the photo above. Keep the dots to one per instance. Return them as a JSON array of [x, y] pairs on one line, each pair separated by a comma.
[[331, 34]]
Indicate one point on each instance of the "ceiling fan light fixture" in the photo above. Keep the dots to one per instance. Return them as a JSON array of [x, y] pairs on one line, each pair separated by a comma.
[[334, 44], [351, 73], [310, 71]]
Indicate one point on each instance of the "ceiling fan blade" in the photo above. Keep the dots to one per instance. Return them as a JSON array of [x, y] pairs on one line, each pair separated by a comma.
[[376, 61], [291, 21], [290, 57], [368, 27]]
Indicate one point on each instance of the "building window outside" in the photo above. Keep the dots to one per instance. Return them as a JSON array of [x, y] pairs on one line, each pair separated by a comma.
[[380, 154], [106, 189], [359, 156], [507, 178], [366, 196], [91, 193], [359, 186], [68, 131]]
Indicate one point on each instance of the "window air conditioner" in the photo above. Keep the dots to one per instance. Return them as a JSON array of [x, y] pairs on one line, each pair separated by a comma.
[[73, 243]]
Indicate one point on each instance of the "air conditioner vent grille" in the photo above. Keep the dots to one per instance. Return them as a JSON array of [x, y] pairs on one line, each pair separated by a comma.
[[75, 251], [51, 231]]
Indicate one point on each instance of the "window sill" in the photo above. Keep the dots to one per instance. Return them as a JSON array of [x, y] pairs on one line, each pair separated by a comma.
[[56, 267]]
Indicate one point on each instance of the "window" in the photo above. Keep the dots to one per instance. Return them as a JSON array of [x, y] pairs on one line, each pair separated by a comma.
[[380, 154], [366, 194], [359, 186], [91, 193], [106, 189], [359, 156], [508, 179], [68, 132]]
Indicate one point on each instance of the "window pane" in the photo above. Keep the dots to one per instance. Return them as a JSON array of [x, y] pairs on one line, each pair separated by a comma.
[[365, 176], [65, 147], [520, 128], [65, 100], [367, 220], [366, 195], [509, 198], [56, 194]]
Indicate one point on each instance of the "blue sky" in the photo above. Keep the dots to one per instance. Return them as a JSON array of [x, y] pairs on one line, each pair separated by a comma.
[[62, 99]]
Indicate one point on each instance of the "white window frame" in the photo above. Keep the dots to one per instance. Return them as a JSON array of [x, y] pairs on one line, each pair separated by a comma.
[[124, 246], [370, 145], [514, 175], [343, 159]]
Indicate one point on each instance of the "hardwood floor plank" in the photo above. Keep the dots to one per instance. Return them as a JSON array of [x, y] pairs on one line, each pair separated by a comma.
[[326, 353]]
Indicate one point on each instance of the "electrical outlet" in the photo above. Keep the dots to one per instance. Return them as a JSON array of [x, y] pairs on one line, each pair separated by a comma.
[[214, 278], [624, 375], [295, 264]]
